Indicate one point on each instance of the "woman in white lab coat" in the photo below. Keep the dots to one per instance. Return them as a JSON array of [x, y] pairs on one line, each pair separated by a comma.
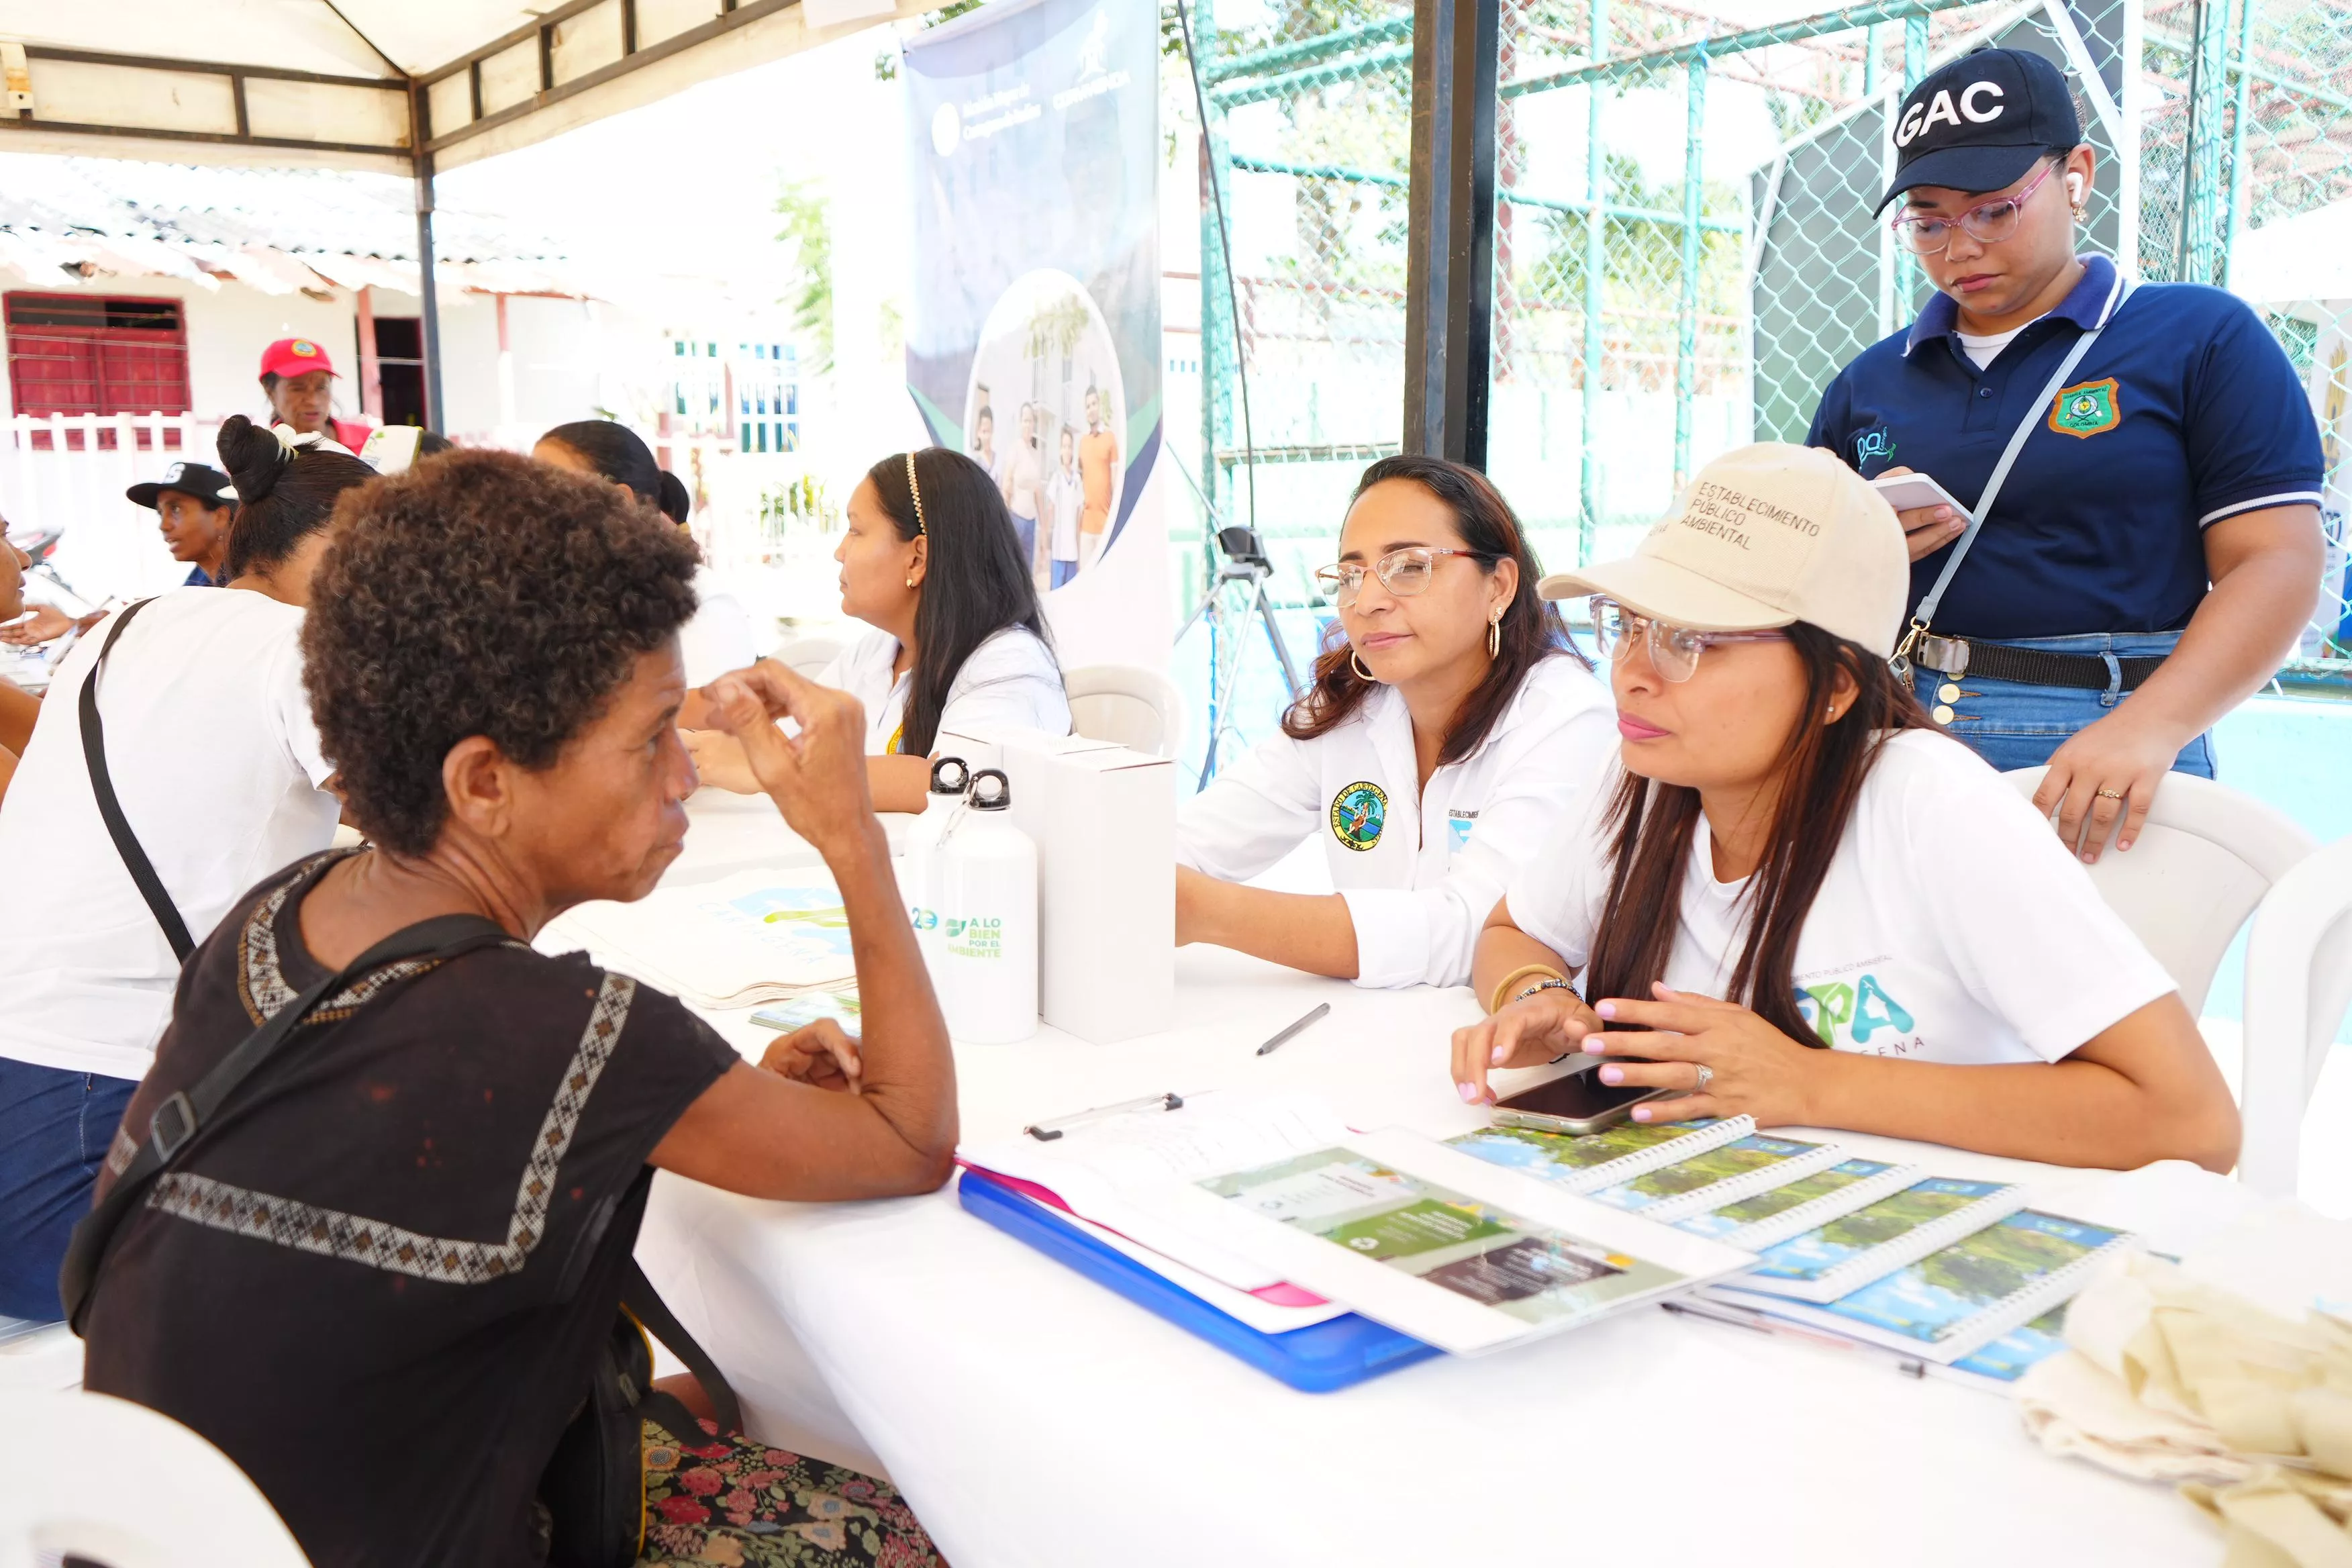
[[1437, 747], [930, 563]]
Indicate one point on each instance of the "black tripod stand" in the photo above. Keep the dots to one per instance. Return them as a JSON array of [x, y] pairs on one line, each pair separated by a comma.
[[1237, 592]]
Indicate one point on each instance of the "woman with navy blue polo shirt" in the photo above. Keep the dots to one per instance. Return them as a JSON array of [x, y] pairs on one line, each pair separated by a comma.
[[2152, 547]]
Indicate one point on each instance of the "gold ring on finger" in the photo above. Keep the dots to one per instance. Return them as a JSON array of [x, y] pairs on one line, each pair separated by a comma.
[[2109, 793]]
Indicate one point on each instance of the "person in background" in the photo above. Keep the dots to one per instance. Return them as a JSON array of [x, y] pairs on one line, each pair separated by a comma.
[[1097, 469], [984, 452], [1438, 743], [1024, 475], [506, 737], [929, 560], [2153, 554], [195, 505], [1793, 898], [300, 381], [215, 762], [718, 639], [18, 707], [1065, 499]]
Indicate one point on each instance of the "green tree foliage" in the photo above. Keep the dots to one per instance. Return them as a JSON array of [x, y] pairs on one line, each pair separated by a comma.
[[807, 229]]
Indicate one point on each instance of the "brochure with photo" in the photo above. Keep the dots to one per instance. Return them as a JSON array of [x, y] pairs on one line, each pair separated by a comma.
[[1441, 1246], [1746, 1166], [1965, 1295], [1770, 1218], [2007, 1357], [1836, 1258], [841, 1006], [1599, 1159], [752, 937]]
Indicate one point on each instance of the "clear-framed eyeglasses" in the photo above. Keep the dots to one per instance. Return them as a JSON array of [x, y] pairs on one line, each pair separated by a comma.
[[1989, 223], [1673, 650], [1404, 572]]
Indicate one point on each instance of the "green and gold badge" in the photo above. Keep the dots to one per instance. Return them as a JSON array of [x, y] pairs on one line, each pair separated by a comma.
[[2088, 409], [1358, 814]]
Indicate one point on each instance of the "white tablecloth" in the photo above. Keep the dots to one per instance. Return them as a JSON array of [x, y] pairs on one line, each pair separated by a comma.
[[1032, 1418]]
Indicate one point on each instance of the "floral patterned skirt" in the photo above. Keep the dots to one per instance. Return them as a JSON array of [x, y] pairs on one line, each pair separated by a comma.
[[736, 1501]]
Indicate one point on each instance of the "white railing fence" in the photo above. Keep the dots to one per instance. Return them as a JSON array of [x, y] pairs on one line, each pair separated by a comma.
[[65, 473]]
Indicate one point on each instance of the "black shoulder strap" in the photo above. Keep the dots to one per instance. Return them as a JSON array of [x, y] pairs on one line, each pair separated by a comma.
[[126, 843], [643, 1302], [181, 1115]]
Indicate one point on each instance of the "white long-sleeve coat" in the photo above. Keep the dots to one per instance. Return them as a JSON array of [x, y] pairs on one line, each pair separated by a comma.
[[1421, 869]]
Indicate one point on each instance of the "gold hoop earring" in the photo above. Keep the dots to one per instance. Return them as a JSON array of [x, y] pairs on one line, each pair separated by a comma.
[[1494, 634], [1357, 661]]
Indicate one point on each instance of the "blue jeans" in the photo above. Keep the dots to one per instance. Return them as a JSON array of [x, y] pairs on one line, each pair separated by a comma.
[[2012, 725], [55, 1127]]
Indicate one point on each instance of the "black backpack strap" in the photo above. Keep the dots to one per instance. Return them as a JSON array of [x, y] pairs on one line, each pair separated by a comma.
[[643, 1302], [118, 827], [181, 1115]]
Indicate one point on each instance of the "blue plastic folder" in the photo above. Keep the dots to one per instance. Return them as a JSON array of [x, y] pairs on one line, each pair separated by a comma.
[[1315, 1360]]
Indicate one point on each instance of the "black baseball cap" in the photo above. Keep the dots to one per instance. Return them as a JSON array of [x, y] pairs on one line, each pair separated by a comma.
[[209, 486], [1980, 122]]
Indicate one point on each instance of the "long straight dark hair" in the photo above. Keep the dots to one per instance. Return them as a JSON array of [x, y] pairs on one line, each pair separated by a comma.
[[1531, 629], [976, 581], [1822, 767]]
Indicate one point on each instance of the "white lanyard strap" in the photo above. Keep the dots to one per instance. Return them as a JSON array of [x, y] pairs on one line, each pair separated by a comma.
[[1925, 616]]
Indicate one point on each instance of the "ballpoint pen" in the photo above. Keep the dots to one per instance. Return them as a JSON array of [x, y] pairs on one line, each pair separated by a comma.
[[1319, 1009], [1047, 1132]]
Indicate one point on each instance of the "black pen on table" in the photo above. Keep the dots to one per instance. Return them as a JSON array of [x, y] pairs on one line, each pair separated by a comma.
[[1316, 1012]]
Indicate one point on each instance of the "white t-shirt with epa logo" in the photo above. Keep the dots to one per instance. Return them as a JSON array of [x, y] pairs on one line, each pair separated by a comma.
[[1420, 869], [1953, 926]]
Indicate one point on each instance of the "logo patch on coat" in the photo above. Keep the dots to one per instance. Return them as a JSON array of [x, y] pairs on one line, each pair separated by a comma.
[[2086, 410], [1358, 812]]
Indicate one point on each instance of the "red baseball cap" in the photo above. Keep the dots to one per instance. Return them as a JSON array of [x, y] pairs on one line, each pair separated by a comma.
[[295, 356]]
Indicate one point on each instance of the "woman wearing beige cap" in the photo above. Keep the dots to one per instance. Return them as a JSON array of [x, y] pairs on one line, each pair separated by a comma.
[[1787, 856]]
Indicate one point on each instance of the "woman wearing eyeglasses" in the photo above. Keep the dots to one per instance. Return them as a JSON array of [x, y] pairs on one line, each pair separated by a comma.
[[2151, 550], [1796, 900], [1433, 751]]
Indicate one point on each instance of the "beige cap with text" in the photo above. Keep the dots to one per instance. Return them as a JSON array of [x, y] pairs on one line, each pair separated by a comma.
[[1765, 535]]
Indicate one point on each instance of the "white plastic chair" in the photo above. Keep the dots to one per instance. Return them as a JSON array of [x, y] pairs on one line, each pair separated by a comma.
[[39, 1356], [807, 656], [2206, 857], [2298, 986], [1136, 708], [102, 1478]]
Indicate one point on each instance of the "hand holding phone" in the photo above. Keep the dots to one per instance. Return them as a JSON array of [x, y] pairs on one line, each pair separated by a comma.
[[1932, 516], [1576, 1103], [1527, 1033]]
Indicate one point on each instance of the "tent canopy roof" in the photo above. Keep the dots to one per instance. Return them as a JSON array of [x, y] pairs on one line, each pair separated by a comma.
[[362, 83]]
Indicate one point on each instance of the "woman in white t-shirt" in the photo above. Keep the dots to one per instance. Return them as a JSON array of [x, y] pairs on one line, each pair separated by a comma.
[[929, 560], [1439, 742], [1788, 857], [218, 773]]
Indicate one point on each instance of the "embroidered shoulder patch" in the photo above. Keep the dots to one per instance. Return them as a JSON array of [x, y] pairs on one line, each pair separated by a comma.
[[2089, 409], [1359, 813]]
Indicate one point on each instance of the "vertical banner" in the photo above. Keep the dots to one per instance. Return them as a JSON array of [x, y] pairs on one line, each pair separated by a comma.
[[1034, 348]]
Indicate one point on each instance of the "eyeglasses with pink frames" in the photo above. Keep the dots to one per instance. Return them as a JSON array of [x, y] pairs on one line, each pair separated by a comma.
[[1926, 233]]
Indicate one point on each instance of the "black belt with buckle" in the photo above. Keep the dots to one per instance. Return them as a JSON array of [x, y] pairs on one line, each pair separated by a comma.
[[1957, 657]]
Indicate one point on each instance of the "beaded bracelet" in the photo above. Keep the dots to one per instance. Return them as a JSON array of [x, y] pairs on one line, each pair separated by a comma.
[[1502, 992]]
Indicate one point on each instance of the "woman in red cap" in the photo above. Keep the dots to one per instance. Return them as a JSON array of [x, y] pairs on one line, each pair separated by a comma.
[[299, 380]]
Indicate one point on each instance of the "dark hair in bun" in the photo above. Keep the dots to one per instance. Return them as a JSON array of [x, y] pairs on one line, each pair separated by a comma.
[[616, 452], [281, 494]]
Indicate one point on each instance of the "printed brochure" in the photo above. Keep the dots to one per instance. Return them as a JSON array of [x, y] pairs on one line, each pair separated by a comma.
[[1439, 1244], [1833, 1259], [1599, 1159], [1767, 1218], [1756, 1163]]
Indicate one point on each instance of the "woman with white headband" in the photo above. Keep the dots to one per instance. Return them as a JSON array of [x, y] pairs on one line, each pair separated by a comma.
[[930, 561]]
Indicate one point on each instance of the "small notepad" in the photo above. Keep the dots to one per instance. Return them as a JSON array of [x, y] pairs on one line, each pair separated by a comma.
[[1739, 1168], [1599, 1159], [1813, 1198]]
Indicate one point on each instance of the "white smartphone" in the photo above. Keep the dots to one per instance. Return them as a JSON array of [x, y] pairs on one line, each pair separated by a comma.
[[1909, 492]]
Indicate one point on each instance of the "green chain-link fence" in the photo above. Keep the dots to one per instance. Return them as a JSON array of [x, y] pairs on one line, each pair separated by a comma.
[[1684, 246]]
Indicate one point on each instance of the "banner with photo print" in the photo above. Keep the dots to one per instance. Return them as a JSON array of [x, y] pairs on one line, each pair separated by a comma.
[[1034, 344]]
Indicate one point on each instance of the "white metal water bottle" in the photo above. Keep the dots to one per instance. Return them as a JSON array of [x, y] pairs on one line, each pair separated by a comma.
[[983, 877], [949, 778]]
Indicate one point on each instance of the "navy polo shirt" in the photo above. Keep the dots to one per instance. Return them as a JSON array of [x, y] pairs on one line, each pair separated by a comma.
[[2186, 411]]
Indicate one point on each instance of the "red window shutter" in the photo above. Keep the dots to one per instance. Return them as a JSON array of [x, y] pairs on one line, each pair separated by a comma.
[[79, 354]]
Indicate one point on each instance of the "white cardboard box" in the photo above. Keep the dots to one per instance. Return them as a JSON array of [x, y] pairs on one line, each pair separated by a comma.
[[1104, 819]]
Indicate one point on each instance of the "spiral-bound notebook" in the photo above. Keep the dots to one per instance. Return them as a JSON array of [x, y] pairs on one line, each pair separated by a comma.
[[1835, 1260], [1739, 1168], [1964, 1296], [1773, 1214], [1598, 1160]]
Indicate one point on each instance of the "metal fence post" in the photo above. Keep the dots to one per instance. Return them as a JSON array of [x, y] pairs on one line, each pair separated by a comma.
[[1450, 249], [1220, 346], [1596, 261], [1686, 338]]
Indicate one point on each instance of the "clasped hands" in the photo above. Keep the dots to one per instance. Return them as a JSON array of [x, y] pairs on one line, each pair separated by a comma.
[[1757, 1070]]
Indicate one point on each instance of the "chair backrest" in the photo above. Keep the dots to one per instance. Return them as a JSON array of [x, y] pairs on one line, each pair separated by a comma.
[[2298, 987], [2206, 857], [38, 1355], [88, 1476], [1136, 708], [807, 655]]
